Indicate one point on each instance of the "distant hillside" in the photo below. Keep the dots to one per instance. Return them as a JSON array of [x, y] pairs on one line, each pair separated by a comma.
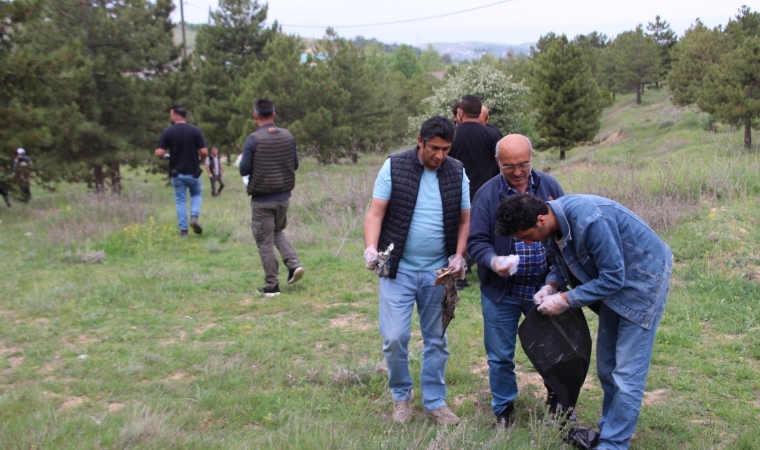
[[464, 51]]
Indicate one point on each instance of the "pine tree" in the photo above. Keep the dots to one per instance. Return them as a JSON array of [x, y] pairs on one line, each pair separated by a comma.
[[665, 38], [731, 90], [225, 53], [564, 95], [637, 61], [695, 54], [115, 52]]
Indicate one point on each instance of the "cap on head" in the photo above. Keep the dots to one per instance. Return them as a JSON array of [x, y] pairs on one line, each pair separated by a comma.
[[21, 151]]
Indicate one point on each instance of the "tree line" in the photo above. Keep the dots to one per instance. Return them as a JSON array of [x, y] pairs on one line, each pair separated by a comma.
[[87, 84]]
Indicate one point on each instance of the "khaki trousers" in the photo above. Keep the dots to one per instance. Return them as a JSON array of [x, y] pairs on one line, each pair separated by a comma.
[[268, 220]]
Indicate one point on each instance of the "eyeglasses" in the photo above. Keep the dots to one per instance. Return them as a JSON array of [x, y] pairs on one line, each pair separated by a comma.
[[511, 168]]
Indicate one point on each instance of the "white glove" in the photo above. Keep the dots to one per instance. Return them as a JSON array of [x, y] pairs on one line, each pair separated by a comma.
[[505, 265], [542, 293], [457, 263], [553, 305], [370, 257]]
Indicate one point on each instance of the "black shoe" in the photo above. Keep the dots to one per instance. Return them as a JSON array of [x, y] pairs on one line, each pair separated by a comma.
[[182, 233], [295, 274], [504, 420], [267, 292], [462, 284], [195, 225], [557, 410]]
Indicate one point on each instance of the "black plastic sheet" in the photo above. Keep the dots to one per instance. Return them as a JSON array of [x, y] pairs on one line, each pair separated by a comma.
[[559, 347]]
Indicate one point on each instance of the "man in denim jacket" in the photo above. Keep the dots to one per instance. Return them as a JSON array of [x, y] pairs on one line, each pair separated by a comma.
[[606, 254]]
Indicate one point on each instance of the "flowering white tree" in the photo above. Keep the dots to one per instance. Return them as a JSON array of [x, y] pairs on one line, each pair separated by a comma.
[[506, 101]]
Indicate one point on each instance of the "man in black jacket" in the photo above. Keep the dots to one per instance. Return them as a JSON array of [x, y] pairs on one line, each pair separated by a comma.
[[270, 159]]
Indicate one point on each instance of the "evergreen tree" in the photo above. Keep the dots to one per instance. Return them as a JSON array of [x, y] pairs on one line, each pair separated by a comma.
[[695, 54], [115, 51], [226, 51], [637, 61], [564, 95], [731, 90], [405, 61], [665, 38], [430, 60]]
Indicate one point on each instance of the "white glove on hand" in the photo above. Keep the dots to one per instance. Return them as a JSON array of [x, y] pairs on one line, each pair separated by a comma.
[[370, 257], [505, 265], [542, 293], [553, 305], [457, 263]]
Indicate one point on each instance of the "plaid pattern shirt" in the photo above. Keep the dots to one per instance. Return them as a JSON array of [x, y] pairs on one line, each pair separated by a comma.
[[533, 267]]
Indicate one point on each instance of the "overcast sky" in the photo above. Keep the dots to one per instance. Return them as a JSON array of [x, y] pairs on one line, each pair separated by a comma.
[[512, 22]]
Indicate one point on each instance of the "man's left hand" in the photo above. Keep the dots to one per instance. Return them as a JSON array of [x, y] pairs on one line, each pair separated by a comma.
[[456, 262], [553, 305]]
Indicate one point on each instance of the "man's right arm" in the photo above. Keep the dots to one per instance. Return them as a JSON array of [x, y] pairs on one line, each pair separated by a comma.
[[373, 223], [480, 242], [246, 162]]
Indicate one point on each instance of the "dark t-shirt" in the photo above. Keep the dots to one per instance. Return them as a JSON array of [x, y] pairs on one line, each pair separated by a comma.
[[475, 146], [494, 132], [183, 141]]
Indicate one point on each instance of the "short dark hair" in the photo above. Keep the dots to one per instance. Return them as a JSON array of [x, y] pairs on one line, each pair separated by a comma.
[[519, 212], [264, 107], [179, 110], [471, 106], [437, 127], [455, 108]]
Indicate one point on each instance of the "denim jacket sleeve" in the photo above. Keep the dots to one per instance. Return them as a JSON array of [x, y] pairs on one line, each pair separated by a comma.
[[599, 242]]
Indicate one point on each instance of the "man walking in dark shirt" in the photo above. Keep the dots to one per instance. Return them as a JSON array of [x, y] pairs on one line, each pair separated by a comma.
[[186, 148], [270, 159], [474, 145]]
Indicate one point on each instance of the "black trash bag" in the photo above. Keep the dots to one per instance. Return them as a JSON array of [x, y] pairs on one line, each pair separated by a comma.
[[582, 438], [559, 347]]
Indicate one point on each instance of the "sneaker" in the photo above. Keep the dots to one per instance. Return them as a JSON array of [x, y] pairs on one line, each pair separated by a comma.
[[444, 416], [182, 233], [195, 225], [504, 420], [295, 274], [402, 410], [269, 292]]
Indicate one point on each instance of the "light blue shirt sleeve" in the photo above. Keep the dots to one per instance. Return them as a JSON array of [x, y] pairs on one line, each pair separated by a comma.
[[382, 189], [465, 191]]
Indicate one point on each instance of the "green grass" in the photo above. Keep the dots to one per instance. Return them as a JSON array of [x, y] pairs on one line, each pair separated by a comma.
[[182, 353]]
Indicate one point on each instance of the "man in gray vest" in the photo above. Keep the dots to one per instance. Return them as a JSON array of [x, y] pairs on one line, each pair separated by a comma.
[[270, 159], [420, 212]]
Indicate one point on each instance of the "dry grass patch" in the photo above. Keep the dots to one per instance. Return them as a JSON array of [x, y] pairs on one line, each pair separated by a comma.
[[178, 376], [15, 361], [114, 406], [350, 322], [71, 403], [655, 397], [203, 328], [51, 366], [9, 350]]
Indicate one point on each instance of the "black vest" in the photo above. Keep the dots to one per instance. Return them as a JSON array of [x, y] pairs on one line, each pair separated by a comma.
[[406, 171], [273, 168]]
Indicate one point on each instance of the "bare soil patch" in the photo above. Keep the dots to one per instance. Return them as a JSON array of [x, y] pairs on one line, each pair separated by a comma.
[[479, 368], [613, 138], [655, 397], [203, 328], [114, 406], [350, 322], [525, 378], [16, 361], [9, 349], [178, 376], [71, 403]]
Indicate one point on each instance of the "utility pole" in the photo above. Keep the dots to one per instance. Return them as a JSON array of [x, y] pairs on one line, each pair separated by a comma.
[[182, 17]]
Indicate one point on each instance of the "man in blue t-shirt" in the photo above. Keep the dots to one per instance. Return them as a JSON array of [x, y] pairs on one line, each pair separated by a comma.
[[421, 206], [186, 148]]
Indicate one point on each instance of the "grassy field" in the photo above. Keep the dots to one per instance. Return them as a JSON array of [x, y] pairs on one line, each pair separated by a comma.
[[115, 333]]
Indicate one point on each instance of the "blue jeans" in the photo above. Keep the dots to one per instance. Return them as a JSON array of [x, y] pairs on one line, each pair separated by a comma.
[[500, 336], [182, 183], [397, 299], [623, 352]]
